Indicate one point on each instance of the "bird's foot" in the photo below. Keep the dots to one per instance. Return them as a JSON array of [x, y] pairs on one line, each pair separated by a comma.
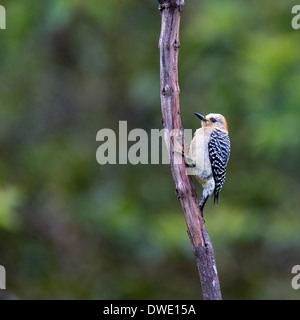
[[201, 204]]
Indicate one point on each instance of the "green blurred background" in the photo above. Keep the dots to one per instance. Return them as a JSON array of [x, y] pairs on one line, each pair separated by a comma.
[[73, 229]]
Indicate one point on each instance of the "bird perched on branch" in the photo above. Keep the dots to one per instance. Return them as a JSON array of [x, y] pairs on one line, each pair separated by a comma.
[[209, 154]]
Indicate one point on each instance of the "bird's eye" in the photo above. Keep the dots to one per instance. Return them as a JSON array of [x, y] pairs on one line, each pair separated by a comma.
[[213, 120]]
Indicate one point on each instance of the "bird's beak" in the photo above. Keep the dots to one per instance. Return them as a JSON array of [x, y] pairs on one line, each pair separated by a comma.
[[200, 116]]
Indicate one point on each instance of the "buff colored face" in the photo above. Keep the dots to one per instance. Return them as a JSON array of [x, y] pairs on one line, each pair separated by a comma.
[[217, 121], [213, 120]]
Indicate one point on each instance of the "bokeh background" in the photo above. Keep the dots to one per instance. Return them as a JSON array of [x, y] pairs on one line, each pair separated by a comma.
[[73, 229]]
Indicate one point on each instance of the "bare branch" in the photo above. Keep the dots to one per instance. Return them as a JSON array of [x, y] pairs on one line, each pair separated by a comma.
[[185, 190]]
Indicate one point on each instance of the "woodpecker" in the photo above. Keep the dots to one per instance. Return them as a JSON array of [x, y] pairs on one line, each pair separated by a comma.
[[209, 154]]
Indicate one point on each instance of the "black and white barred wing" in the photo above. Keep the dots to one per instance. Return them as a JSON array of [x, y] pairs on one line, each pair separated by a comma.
[[219, 152]]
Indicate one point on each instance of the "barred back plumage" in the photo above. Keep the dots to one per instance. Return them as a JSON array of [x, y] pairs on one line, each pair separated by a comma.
[[219, 152]]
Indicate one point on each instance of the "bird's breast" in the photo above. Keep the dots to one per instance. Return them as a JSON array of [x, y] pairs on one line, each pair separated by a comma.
[[198, 152]]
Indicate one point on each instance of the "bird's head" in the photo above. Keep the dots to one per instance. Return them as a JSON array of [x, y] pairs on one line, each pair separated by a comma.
[[213, 120]]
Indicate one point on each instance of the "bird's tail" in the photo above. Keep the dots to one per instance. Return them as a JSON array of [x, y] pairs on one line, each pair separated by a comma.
[[216, 198]]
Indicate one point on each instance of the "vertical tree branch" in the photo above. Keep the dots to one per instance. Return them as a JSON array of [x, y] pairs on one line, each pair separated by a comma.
[[186, 193]]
